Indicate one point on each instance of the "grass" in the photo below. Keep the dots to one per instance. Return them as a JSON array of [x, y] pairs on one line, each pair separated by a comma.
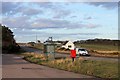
[[39, 46], [94, 49], [98, 47], [101, 50], [102, 69]]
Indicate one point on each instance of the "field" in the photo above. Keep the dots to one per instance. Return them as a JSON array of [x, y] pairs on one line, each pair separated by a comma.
[[38, 46], [98, 47], [94, 49], [102, 69]]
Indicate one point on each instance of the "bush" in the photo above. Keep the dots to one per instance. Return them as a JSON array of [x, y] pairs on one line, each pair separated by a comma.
[[62, 48], [67, 49], [13, 48], [10, 49]]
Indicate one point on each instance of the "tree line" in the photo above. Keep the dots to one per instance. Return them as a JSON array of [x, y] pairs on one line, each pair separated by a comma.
[[8, 42], [99, 41]]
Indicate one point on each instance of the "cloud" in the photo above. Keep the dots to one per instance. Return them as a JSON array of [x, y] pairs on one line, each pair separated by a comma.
[[17, 22], [88, 18], [107, 5], [26, 31], [61, 13], [23, 15], [51, 19], [91, 25], [9, 7], [12, 8], [49, 23], [30, 34], [55, 23], [73, 16], [42, 23], [31, 11], [45, 5], [57, 9], [75, 34]]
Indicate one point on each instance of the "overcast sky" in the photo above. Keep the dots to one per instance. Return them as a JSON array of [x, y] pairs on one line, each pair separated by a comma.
[[61, 20]]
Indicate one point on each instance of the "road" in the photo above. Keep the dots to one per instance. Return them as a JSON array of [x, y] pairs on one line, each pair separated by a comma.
[[67, 55], [15, 67]]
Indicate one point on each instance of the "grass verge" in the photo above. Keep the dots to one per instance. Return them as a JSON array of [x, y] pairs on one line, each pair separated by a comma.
[[102, 69]]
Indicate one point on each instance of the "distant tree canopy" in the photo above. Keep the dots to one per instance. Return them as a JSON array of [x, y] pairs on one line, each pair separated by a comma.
[[8, 42], [38, 41], [31, 43], [99, 41]]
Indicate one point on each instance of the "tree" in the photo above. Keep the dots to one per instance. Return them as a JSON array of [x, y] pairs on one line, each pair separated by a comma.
[[31, 43], [8, 42], [38, 41]]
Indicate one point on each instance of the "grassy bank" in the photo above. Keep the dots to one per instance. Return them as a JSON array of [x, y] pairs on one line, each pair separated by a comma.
[[102, 69]]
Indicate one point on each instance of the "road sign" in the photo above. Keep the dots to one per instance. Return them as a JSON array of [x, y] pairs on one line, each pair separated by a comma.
[[49, 50]]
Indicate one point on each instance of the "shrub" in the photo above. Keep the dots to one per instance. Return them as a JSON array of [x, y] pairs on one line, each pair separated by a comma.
[[67, 49], [62, 48], [11, 48]]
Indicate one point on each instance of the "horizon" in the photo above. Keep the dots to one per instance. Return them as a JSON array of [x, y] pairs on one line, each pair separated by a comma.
[[61, 20], [69, 40]]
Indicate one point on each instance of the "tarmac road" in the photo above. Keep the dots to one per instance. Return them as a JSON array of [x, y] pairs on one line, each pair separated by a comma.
[[15, 67]]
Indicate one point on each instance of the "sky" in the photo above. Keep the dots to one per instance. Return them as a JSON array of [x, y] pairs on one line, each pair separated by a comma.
[[61, 20]]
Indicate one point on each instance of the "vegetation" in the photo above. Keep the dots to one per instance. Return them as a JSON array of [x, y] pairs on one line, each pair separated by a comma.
[[101, 50], [0, 37], [31, 43], [98, 47], [102, 69], [63, 49], [8, 42], [39, 46], [99, 41]]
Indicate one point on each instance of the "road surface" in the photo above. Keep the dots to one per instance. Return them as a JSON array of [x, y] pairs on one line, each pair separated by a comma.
[[15, 67]]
